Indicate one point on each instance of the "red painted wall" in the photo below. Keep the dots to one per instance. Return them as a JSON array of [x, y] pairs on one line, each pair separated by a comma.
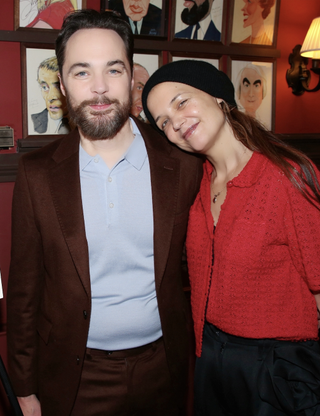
[[295, 114]]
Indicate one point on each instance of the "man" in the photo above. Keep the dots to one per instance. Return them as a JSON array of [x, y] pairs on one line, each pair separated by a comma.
[[97, 317], [144, 18], [52, 119], [140, 77], [197, 15], [251, 88]]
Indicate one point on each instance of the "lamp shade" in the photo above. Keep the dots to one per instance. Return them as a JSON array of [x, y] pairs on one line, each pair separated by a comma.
[[311, 45]]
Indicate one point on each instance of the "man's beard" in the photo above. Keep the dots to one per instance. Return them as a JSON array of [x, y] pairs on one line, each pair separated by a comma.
[[99, 125], [195, 14]]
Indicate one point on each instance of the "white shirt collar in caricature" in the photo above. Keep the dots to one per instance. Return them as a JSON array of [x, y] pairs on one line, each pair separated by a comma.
[[139, 25], [53, 125], [204, 25]]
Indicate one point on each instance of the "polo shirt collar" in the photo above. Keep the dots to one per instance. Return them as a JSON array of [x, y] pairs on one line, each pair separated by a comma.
[[135, 155]]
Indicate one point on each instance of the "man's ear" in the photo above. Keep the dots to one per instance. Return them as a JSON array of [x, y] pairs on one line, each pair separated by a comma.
[[63, 90], [132, 82]]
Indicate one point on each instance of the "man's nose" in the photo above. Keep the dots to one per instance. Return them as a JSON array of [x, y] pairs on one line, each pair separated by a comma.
[[53, 94], [99, 84]]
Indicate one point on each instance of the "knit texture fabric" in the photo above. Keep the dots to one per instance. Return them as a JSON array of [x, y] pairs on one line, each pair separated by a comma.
[[266, 257]]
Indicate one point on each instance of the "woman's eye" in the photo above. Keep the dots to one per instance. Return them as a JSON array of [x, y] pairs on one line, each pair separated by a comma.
[[182, 103], [163, 125]]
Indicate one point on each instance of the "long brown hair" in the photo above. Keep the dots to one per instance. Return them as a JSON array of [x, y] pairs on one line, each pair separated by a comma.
[[252, 134]]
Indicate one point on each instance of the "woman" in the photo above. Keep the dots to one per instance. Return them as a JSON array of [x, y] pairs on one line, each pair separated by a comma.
[[252, 246], [254, 14]]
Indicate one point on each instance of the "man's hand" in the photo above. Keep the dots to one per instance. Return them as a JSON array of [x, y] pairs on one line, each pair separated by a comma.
[[30, 405]]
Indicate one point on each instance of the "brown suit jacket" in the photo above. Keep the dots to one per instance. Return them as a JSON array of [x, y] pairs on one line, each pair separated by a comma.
[[49, 299]]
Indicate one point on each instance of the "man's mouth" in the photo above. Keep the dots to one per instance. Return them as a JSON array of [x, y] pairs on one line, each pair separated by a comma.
[[136, 9], [54, 108], [138, 107], [99, 107]]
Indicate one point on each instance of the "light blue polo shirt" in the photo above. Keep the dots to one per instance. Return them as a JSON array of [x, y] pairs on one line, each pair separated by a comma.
[[118, 215]]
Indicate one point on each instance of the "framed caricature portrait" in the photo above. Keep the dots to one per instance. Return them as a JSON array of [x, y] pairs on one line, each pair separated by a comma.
[[198, 22], [44, 14], [44, 107], [146, 17], [255, 22], [144, 65], [254, 89]]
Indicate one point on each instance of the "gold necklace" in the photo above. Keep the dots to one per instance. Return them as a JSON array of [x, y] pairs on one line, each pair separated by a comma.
[[215, 196]]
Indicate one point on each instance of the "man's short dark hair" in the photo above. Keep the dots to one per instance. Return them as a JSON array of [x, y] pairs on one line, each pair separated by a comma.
[[91, 19]]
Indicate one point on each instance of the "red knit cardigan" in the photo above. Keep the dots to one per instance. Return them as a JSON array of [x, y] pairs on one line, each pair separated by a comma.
[[266, 257]]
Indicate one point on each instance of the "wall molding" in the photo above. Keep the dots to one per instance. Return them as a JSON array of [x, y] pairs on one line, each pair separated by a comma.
[[148, 45], [307, 143]]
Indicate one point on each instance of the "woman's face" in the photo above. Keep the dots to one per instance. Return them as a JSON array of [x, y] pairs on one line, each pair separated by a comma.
[[252, 12], [190, 118]]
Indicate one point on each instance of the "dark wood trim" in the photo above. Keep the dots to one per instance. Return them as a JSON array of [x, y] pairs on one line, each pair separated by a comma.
[[307, 143], [148, 45], [9, 167]]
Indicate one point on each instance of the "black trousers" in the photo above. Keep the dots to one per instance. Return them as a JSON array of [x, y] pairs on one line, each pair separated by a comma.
[[252, 377]]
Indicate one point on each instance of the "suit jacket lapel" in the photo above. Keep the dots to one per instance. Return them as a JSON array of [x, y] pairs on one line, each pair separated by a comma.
[[165, 171], [64, 182]]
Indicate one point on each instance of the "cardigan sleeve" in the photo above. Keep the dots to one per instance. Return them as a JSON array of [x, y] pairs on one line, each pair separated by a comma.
[[302, 219]]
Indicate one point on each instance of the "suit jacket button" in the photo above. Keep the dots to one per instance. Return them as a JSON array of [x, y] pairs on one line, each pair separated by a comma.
[[85, 314], [78, 360]]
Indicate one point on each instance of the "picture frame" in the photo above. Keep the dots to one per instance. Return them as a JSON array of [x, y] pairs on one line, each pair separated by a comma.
[[211, 27], [33, 15], [146, 22], [44, 109], [254, 25], [254, 82], [144, 65], [179, 56]]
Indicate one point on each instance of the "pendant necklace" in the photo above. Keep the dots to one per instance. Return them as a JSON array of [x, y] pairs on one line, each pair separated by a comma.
[[215, 196]]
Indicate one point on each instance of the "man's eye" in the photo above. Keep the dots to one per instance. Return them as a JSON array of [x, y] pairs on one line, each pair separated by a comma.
[[81, 74], [115, 71]]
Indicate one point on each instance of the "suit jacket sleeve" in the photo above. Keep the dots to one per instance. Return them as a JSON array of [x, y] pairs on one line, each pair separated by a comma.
[[25, 279]]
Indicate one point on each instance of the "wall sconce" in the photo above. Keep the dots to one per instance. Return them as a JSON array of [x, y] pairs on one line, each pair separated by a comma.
[[298, 76]]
